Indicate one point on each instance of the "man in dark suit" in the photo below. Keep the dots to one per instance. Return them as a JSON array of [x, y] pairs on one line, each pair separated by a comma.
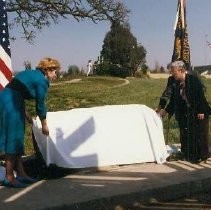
[[191, 109]]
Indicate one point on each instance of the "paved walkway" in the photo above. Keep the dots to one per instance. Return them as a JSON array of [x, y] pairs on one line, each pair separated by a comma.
[[125, 82], [111, 188], [66, 82]]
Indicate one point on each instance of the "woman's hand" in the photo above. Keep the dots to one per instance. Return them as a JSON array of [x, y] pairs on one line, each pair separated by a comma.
[[45, 129]]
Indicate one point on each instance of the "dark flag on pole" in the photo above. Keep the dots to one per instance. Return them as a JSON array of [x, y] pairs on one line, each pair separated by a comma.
[[5, 55], [181, 50], [181, 45]]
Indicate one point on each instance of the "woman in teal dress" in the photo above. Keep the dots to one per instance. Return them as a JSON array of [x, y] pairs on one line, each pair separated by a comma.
[[26, 85]]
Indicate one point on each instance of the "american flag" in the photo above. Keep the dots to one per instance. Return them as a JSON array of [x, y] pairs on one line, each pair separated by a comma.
[[5, 55], [181, 49]]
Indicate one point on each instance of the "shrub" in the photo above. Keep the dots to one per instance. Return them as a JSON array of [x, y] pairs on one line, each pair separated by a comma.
[[73, 70], [107, 69], [141, 74]]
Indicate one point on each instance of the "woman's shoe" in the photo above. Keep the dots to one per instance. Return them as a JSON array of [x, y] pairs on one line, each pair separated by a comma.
[[17, 184], [26, 180]]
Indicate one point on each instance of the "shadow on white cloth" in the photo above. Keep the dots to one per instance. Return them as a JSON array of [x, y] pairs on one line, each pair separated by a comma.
[[102, 136]]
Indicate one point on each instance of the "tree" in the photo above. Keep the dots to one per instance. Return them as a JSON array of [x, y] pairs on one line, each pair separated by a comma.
[[138, 57], [121, 48], [157, 66], [144, 68], [35, 14], [73, 70], [27, 65], [162, 70]]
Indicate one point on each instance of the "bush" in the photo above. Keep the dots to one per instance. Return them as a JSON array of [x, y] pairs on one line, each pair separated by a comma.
[[141, 74], [107, 69], [73, 70]]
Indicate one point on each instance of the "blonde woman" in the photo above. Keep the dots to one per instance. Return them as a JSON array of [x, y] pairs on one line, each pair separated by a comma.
[[26, 85]]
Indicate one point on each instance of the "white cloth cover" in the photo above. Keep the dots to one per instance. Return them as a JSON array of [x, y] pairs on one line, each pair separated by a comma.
[[102, 136]]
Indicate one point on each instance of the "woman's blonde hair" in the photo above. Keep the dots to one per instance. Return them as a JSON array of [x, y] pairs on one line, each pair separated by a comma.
[[48, 64]]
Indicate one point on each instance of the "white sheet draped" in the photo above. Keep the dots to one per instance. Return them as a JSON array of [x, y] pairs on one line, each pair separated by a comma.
[[102, 136]]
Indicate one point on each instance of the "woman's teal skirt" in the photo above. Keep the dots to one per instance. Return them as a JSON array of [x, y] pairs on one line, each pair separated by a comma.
[[12, 122]]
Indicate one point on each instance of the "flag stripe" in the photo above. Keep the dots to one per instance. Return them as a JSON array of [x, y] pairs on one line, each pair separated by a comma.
[[3, 80], [5, 70], [5, 64], [5, 59]]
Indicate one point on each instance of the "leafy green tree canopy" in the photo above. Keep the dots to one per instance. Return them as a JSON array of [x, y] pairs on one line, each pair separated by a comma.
[[33, 15], [120, 47]]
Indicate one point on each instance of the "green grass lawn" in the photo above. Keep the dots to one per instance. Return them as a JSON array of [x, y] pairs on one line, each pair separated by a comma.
[[98, 91]]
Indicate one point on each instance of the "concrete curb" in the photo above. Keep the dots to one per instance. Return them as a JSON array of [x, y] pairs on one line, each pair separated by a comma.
[[125, 201], [126, 187]]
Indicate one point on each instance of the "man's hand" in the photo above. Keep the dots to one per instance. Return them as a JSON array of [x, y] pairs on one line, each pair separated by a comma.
[[200, 116], [162, 113], [157, 109]]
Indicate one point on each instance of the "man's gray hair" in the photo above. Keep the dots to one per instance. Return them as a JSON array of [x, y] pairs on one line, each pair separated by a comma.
[[178, 65]]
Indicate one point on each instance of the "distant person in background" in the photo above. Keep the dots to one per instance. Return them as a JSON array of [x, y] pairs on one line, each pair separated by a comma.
[[89, 67], [191, 109], [26, 85]]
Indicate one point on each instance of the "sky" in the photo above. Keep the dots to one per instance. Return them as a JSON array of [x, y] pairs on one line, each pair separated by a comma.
[[151, 22]]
